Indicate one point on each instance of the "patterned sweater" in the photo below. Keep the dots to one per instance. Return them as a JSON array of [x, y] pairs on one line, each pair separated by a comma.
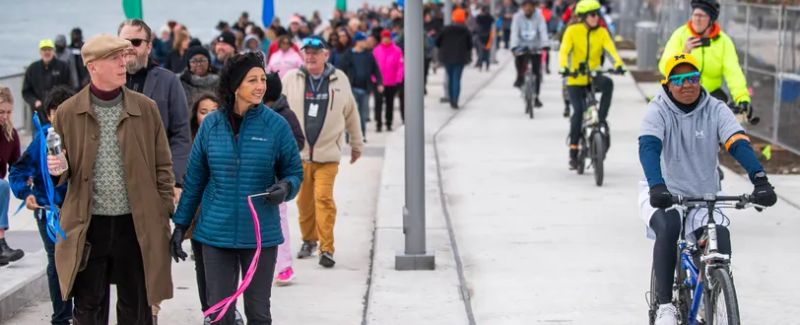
[[110, 191]]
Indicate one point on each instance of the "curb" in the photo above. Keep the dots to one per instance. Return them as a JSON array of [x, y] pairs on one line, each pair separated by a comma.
[[23, 283]]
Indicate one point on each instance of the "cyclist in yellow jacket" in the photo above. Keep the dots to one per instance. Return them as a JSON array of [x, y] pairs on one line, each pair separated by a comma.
[[582, 45], [715, 51]]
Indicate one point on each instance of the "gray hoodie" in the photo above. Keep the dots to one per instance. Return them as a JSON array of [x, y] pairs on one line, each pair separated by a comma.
[[529, 32], [690, 141]]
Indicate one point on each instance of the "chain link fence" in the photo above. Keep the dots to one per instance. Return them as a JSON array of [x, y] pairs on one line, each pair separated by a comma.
[[767, 39]]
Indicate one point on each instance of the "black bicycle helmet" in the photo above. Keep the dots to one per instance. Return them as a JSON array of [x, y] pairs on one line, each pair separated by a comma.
[[711, 7]]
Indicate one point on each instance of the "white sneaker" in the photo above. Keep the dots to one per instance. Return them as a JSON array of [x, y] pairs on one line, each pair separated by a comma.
[[667, 315]]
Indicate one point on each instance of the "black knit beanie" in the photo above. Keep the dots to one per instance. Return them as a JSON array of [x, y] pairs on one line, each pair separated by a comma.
[[195, 50], [274, 87], [236, 68], [240, 66]]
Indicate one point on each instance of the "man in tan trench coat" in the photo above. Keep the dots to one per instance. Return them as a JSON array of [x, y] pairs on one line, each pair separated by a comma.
[[120, 195]]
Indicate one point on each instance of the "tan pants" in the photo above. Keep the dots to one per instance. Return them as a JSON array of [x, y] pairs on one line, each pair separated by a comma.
[[315, 204]]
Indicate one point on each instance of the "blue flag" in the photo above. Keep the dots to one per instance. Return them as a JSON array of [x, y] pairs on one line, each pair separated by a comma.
[[51, 213], [268, 12]]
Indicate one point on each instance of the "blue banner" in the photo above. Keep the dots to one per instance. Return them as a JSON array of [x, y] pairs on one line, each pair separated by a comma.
[[268, 12]]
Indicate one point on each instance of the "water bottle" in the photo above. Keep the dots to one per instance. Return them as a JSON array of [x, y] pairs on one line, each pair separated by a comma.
[[54, 149]]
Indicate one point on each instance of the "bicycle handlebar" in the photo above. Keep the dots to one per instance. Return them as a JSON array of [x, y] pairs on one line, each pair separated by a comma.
[[592, 73], [738, 202]]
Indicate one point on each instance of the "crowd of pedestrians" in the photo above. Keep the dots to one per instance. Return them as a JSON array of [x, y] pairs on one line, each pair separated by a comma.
[[160, 126]]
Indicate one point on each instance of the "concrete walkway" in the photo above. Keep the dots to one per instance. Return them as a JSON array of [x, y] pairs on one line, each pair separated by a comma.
[[536, 242], [542, 244]]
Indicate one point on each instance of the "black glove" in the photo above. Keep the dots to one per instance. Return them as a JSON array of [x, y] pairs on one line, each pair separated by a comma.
[[660, 197], [763, 192], [563, 72], [175, 248], [277, 193], [620, 70], [746, 108]]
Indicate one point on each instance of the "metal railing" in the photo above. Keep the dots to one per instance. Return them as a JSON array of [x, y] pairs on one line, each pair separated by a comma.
[[767, 39]]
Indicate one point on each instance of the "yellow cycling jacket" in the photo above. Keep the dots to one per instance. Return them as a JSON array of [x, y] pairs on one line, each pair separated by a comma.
[[716, 61], [577, 41]]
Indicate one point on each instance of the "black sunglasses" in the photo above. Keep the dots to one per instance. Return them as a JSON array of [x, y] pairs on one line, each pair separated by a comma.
[[136, 42], [592, 14]]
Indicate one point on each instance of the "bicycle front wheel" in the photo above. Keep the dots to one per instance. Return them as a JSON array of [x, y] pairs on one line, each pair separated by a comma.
[[598, 156], [722, 306]]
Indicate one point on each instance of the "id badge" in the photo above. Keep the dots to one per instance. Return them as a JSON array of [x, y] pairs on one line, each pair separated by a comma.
[[313, 110]]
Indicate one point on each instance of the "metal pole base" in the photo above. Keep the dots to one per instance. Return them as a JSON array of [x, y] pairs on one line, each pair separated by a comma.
[[403, 262]]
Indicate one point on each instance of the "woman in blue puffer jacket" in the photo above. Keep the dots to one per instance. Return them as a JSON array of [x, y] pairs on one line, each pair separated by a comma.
[[242, 149]]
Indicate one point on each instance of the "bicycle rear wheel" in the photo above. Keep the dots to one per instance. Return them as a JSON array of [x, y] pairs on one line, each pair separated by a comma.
[[722, 306], [598, 156], [529, 81]]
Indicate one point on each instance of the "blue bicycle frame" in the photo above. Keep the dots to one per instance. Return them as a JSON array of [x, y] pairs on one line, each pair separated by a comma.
[[692, 281]]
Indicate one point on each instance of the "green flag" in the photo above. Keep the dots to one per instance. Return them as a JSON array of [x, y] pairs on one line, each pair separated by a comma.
[[132, 9], [341, 5]]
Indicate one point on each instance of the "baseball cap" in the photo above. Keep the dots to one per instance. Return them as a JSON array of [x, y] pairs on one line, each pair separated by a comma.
[[314, 42], [359, 36], [676, 60], [45, 43]]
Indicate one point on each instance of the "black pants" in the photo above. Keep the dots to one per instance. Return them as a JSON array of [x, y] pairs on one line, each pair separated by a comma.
[[667, 226], [62, 310], [506, 37], [222, 267], [387, 99], [577, 97], [426, 68], [114, 257], [521, 63], [200, 273]]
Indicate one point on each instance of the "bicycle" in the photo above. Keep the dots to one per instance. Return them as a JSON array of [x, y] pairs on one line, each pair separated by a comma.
[[528, 89], [703, 280], [593, 142]]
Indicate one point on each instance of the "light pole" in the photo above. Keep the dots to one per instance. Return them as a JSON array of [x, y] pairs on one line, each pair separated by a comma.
[[415, 255]]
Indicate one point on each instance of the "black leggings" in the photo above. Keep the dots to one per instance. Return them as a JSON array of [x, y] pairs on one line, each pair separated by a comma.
[[577, 98], [521, 63], [667, 226]]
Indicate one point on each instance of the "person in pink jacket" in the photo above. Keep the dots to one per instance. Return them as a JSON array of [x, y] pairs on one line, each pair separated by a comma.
[[285, 59], [390, 61]]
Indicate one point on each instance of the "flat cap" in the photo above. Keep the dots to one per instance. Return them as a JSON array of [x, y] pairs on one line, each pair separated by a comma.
[[101, 46]]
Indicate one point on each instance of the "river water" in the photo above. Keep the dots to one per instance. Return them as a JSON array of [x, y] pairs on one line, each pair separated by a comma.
[[24, 22]]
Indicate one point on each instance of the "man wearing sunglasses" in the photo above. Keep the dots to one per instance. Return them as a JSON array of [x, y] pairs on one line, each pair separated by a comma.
[[714, 50], [163, 87], [583, 44], [679, 142]]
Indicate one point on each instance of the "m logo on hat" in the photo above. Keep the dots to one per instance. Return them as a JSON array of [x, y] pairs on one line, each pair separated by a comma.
[[680, 57]]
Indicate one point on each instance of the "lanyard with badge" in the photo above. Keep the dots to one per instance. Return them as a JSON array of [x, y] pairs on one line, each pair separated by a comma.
[[313, 108]]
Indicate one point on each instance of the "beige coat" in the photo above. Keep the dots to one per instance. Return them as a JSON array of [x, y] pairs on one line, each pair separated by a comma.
[[342, 114], [148, 171]]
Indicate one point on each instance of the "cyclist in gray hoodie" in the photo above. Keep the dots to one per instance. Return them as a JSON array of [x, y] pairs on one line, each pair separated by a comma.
[[528, 38]]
